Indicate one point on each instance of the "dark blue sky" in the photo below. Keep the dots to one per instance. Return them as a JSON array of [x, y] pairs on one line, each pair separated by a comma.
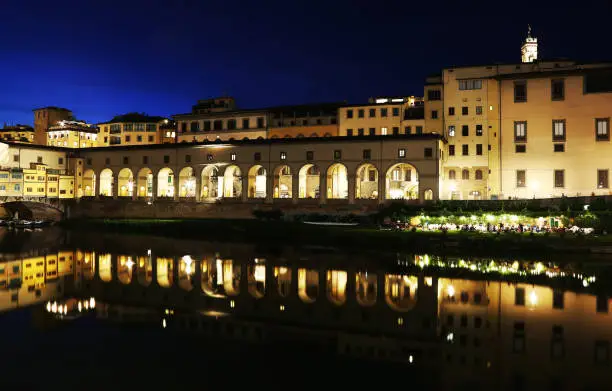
[[102, 58]]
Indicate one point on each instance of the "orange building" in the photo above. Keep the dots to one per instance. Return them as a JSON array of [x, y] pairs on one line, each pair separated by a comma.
[[316, 120]]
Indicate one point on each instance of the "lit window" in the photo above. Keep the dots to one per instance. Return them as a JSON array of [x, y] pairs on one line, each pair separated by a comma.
[[451, 131], [401, 152], [558, 130], [233, 157], [383, 131], [283, 156]]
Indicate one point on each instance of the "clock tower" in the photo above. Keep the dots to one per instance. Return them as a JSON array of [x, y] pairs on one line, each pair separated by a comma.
[[529, 50]]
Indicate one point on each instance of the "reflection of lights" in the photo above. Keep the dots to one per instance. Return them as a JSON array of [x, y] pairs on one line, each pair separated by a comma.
[[282, 270], [80, 306], [585, 283], [260, 273], [65, 309], [282, 307], [54, 307], [164, 323], [48, 306], [450, 290], [92, 302], [428, 281], [533, 298], [129, 263], [188, 261], [400, 321], [410, 359], [232, 303], [450, 337], [86, 304], [149, 252]]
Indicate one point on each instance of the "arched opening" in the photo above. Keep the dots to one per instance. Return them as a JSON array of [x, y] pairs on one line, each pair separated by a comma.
[[308, 285], [105, 267], [212, 277], [465, 174], [366, 182], [106, 182], [402, 182], [232, 182], [327, 134], [428, 195], [337, 182], [257, 182], [257, 278], [314, 135], [309, 181], [282, 275], [165, 183], [336, 286], [145, 270], [89, 183], [125, 268], [187, 183], [275, 136], [366, 288], [126, 182], [210, 182], [300, 135], [89, 265], [185, 272], [231, 277], [145, 182], [165, 267], [283, 182], [400, 291]]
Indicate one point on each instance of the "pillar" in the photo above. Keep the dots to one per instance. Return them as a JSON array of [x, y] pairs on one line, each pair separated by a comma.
[[269, 188], [154, 194], [175, 183], [352, 187], [198, 187], [382, 180], [97, 186], [295, 186], [323, 188], [245, 188], [154, 271], [115, 186]]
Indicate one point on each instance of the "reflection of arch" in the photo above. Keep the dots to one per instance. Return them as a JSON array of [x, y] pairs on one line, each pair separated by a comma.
[[366, 288], [257, 278], [105, 267], [402, 182], [187, 183], [89, 183], [125, 268], [400, 291], [89, 265], [165, 183], [336, 286], [185, 273], [231, 277], [366, 182], [282, 275], [126, 182], [327, 134], [210, 182], [428, 195], [275, 136], [106, 182], [314, 135], [212, 277], [232, 182], [165, 267], [300, 135], [257, 182], [145, 182], [287, 136], [283, 182], [309, 181], [308, 285], [145, 270], [337, 182]]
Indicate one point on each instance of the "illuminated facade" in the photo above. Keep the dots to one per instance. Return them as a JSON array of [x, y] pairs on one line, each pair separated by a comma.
[[303, 121], [72, 134], [46, 117], [383, 116], [17, 133], [133, 129]]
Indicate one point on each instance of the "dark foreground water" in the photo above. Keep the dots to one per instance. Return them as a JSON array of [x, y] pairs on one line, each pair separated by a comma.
[[84, 311]]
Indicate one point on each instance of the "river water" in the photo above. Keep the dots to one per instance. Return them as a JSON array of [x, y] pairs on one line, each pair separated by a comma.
[[107, 311]]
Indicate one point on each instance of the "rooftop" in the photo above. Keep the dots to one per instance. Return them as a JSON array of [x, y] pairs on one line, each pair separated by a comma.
[[134, 118], [53, 108]]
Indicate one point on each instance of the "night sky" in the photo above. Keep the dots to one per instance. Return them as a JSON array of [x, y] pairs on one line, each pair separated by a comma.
[[102, 58]]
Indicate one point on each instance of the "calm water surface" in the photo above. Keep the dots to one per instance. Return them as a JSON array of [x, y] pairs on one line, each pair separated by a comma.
[[123, 312]]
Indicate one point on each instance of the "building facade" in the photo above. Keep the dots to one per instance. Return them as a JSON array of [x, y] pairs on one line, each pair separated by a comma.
[[132, 129], [72, 134], [319, 120], [46, 117], [17, 133]]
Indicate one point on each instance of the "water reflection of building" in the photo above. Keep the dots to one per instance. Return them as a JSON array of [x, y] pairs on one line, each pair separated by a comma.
[[475, 333]]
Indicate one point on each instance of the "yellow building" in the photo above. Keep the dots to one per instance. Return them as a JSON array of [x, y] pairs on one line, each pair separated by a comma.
[[72, 134], [218, 119], [316, 120], [17, 133], [167, 132], [382, 116], [132, 129]]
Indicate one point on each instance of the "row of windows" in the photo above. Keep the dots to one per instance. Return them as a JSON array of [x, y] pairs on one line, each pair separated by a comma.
[[559, 130], [465, 175], [559, 178], [557, 90], [465, 130], [385, 131], [231, 124], [465, 150], [465, 110], [602, 304], [304, 122], [384, 112], [16, 187], [139, 127], [139, 139], [367, 154]]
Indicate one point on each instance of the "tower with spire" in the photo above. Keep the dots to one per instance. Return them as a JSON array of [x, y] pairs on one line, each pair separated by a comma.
[[529, 50]]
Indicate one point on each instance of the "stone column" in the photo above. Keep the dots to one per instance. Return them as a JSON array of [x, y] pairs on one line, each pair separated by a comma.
[[351, 188], [198, 187], [269, 188], [97, 187], [323, 188], [245, 188], [295, 186], [115, 186], [175, 185], [154, 194], [381, 189]]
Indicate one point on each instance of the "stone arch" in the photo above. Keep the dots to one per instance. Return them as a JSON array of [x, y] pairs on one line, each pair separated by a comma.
[[212, 277], [366, 288], [232, 273], [210, 182], [125, 183], [125, 269], [106, 182], [232, 182], [144, 182], [402, 182], [401, 291], [105, 267], [308, 285], [89, 183], [282, 275], [260, 138], [366, 182], [300, 135], [257, 278], [165, 183], [287, 136], [245, 139], [337, 182], [336, 286], [283, 182], [314, 135], [187, 183], [186, 270], [309, 181], [327, 134], [257, 181], [275, 136], [465, 174], [165, 268], [428, 195]]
